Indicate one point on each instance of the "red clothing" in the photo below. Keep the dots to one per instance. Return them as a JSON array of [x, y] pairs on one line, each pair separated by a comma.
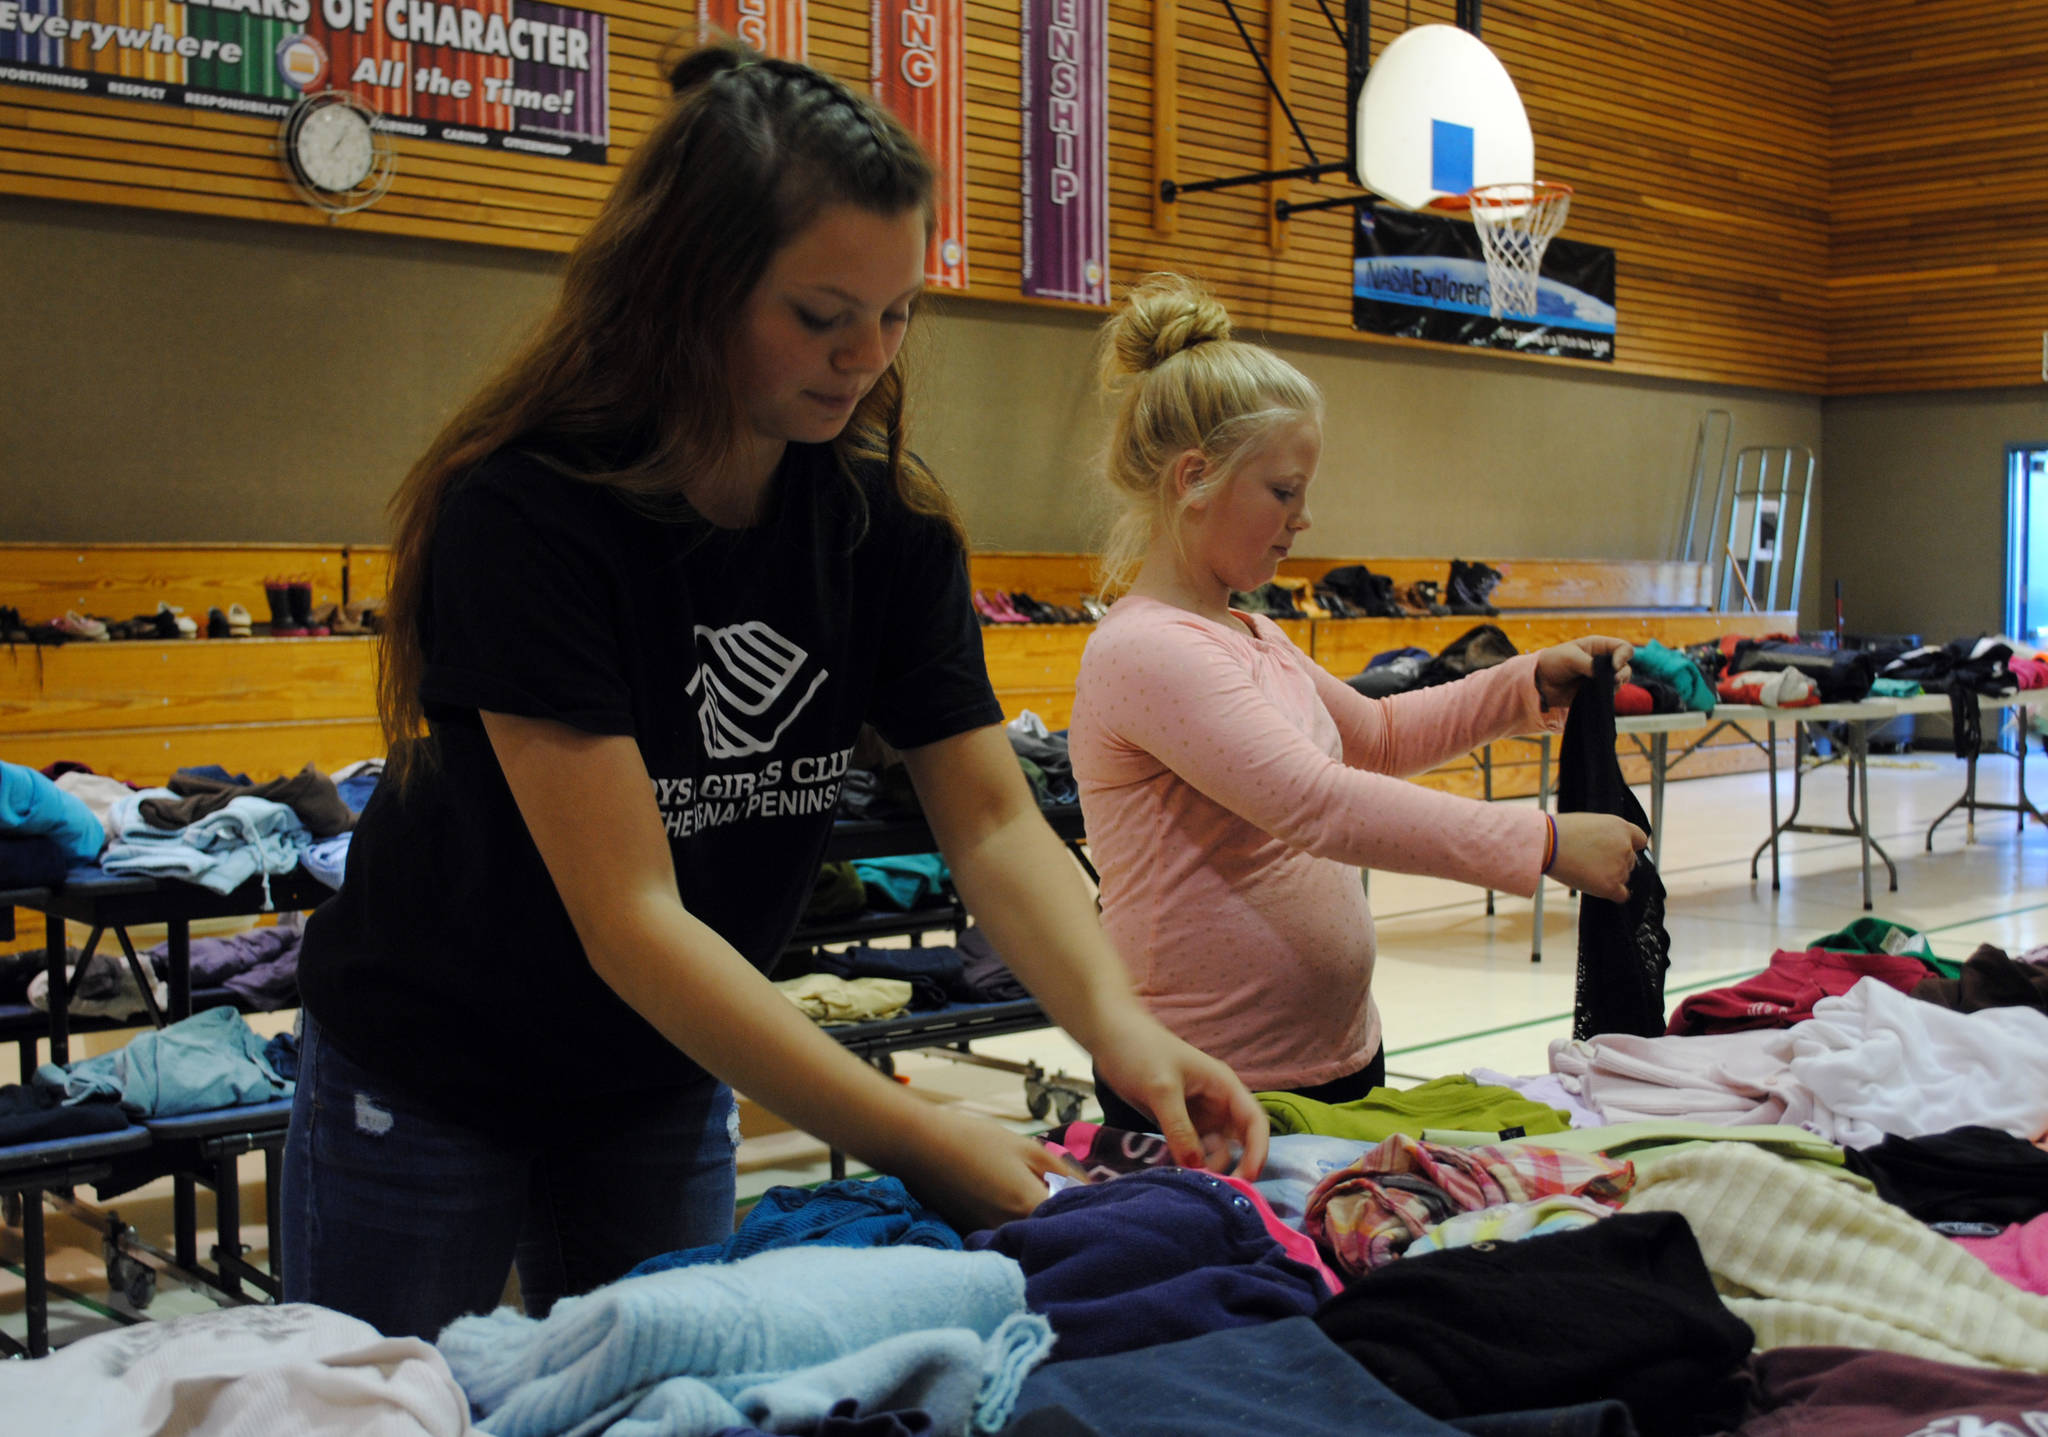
[[1632, 699], [1785, 993]]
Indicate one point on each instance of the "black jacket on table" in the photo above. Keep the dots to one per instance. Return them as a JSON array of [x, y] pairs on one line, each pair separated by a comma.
[[742, 662]]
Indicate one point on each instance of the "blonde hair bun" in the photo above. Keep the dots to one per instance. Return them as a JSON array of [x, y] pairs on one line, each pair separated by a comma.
[[1165, 315]]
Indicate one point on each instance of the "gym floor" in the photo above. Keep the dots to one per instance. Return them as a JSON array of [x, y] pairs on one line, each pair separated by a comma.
[[1456, 987]]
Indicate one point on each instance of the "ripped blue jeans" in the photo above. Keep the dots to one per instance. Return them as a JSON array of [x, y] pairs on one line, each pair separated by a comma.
[[396, 1214]]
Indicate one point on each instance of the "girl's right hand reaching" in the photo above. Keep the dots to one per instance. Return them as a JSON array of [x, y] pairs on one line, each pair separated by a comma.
[[1596, 853]]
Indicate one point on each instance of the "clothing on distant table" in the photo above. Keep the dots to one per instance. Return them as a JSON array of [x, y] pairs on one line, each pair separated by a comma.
[[674, 1348], [1367, 1214], [836, 892], [99, 793], [2019, 1254], [246, 838], [936, 974], [30, 1113], [1989, 980], [1232, 786], [1049, 752], [210, 1060], [1967, 1174], [1847, 1392], [1624, 1309], [985, 973], [33, 805], [905, 880], [282, 1053], [1785, 993], [106, 987], [1452, 1101], [1282, 1379], [870, 1212], [1154, 1257], [1623, 948], [327, 860], [1654, 660], [309, 793], [31, 860], [261, 966], [1818, 1262], [238, 1372], [830, 999]]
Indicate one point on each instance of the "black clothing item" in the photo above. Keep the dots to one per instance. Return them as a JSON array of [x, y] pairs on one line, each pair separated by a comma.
[[1963, 1175], [31, 860], [936, 975], [836, 892], [985, 973], [1664, 697], [30, 1114], [742, 662], [1989, 980], [1482, 646], [1469, 589], [1053, 759], [1397, 675], [1839, 677], [1623, 948], [309, 793], [1117, 1112], [1629, 1312]]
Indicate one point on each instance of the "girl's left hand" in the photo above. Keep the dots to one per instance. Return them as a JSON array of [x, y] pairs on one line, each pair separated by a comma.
[[1562, 668], [1201, 1107]]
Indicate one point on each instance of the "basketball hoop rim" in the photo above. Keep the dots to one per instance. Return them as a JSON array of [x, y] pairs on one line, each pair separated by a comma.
[[1532, 191]]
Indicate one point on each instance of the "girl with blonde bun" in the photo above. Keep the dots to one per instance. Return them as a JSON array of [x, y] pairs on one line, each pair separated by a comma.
[[1232, 788]]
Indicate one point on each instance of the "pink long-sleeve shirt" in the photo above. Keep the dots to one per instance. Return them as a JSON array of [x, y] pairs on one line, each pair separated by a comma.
[[1232, 789]]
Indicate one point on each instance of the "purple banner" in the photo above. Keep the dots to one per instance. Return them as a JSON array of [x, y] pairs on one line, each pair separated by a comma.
[[1066, 149]]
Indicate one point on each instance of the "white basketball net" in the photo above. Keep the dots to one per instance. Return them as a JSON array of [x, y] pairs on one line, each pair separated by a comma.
[[1516, 223]]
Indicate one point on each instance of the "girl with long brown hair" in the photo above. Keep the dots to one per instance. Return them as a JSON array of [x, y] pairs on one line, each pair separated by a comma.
[[646, 588]]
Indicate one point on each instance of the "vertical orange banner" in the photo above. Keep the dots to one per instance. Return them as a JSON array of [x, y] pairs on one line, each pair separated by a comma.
[[774, 27], [918, 70]]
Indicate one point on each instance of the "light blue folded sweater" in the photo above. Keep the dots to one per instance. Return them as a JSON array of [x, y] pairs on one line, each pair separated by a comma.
[[31, 804], [679, 1352]]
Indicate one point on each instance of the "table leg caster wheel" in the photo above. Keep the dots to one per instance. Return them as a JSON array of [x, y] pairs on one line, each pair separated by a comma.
[[10, 1209], [1036, 1098]]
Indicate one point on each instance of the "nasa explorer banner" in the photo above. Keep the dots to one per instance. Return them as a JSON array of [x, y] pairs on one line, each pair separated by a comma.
[[1423, 276], [509, 75]]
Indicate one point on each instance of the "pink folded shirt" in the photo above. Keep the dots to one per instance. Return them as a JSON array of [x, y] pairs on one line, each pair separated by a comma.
[[1232, 789]]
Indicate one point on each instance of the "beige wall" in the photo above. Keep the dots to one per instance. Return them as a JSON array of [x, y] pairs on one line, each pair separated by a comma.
[[1915, 520], [183, 378]]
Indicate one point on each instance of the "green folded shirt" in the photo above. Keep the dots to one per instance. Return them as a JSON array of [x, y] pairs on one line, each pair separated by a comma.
[[1454, 1101]]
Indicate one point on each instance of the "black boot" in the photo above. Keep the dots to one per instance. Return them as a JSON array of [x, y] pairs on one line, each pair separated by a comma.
[[1471, 586]]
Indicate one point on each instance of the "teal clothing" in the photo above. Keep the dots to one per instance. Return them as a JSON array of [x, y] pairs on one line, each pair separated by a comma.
[[31, 804], [210, 1060], [1676, 669], [1448, 1102], [1895, 689]]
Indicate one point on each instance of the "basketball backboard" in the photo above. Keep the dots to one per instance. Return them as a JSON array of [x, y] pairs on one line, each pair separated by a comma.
[[1438, 115]]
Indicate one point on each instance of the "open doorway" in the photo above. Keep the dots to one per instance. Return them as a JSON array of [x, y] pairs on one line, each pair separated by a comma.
[[2026, 549]]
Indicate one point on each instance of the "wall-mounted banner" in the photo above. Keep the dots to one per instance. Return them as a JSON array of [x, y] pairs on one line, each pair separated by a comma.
[[1424, 277], [511, 75], [774, 27], [917, 69], [1066, 149]]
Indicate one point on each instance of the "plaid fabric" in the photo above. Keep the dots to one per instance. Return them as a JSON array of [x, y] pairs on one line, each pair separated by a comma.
[[1367, 1214]]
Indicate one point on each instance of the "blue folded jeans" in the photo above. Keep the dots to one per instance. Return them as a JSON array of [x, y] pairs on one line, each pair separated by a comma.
[[401, 1215]]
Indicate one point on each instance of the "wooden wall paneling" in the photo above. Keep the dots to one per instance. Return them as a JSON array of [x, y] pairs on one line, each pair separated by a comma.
[[1164, 42], [1940, 131], [184, 684], [118, 581], [1280, 142]]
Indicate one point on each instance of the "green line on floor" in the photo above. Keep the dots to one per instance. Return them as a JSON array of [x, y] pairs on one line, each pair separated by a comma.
[[1966, 922], [71, 1294]]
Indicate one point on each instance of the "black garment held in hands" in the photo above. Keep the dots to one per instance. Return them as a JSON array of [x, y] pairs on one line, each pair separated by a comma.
[[1623, 948]]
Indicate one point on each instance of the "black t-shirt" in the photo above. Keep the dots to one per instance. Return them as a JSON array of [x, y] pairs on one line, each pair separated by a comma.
[[742, 661]]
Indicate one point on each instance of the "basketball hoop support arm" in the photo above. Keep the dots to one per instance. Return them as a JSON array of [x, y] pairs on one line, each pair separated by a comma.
[[1356, 38]]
